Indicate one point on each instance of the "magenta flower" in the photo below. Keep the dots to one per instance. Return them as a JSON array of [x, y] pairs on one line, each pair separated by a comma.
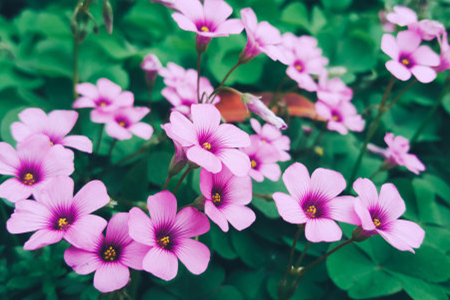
[[341, 117], [123, 123], [402, 16], [397, 154], [445, 53], [225, 199], [263, 160], [32, 165], [109, 256], [208, 20], [169, 233], [271, 135], [314, 201], [168, 3], [408, 57], [56, 125], [209, 143], [256, 106], [332, 91], [179, 159], [427, 29], [105, 97], [151, 65], [379, 215], [57, 214], [262, 37]]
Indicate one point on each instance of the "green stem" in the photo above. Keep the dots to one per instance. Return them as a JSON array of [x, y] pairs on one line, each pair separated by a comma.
[[376, 173], [213, 95], [432, 110], [166, 183], [189, 169], [75, 67], [372, 128], [300, 259], [267, 197], [99, 139], [277, 93], [111, 148], [393, 101], [300, 230], [199, 60]]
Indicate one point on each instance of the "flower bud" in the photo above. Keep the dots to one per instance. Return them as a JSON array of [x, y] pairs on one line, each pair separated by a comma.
[[178, 161], [108, 16], [256, 106], [151, 65], [358, 235]]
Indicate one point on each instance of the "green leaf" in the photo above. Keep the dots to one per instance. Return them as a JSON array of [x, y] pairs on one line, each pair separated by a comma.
[[426, 201], [340, 5], [439, 186], [158, 293], [222, 242], [250, 283], [135, 182], [318, 20], [254, 251], [420, 290], [226, 292], [295, 14]]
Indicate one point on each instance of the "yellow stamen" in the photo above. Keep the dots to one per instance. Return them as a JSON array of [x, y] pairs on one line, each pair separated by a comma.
[[254, 163], [28, 179], [298, 67], [264, 141], [110, 254], [311, 211], [216, 198], [164, 241], [376, 222], [122, 124], [405, 62], [102, 103], [207, 146], [336, 118], [51, 143], [204, 29], [63, 224], [318, 150]]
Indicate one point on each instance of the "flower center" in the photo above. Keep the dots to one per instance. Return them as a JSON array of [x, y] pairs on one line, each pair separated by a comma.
[[63, 224], [204, 29], [253, 163], [406, 62], [110, 254], [311, 212], [207, 146], [376, 222], [29, 179], [51, 143], [216, 198], [164, 242], [121, 123]]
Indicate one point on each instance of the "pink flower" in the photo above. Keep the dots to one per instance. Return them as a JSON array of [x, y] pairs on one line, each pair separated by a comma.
[[262, 37], [427, 29], [151, 65], [105, 97], [314, 201], [123, 123], [263, 160], [387, 26], [397, 154], [379, 215], [208, 20], [332, 91], [408, 57], [57, 214], [209, 143], [256, 106], [445, 53], [226, 196], [34, 163], [271, 135], [168, 3], [341, 117], [56, 125], [402, 16], [179, 159], [181, 90], [169, 233], [109, 256]]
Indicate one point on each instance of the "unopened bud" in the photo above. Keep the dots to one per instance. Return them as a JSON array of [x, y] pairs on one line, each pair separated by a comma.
[[108, 16], [359, 235]]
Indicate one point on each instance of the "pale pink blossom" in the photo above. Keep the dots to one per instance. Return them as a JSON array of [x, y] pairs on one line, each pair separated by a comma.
[[263, 160], [397, 154], [402, 16], [271, 135], [333, 90], [314, 202], [56, 125], [427, 29], [168, 3], [32, 165], [445, 53], [378, 214], [261, 37], [179, 159], [408, 57], [256, 106], [387, 26], [209, 143], [57, 214], [109, 256], [226, 197], [151, 65], [169, 233], [341, 117], [123, 123]]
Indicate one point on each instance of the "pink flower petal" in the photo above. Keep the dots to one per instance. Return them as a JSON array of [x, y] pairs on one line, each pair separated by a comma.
[[236, 160], [255, 124], [297, 181], [366, 191], [9, 161], [43, 237], [111, 276], [193, 9], [133, 255], [403, 235], [289, 208], [216, 10], [323, 110], [85, 231], [398, 70], [183, 129], [194, 255], [364, 215], [239, 190], [184, 22], [118, 132], [57, 194], [327, 182], [190, 222], [140, 227], [107, 88], [118, 228], [408, 41], [162, 207], [124, 99], [231, 136], [142, 130], [337, 126], [28, 216], [342, 209], [426, 57], [216, 215], [87, 89], [61, 122], [206, 117], [79, 142], [20, 131], [204, 159], [230, 26], [206, 182], [58, 161], [241, 217], [391, 201], [13, 190], [271, 171], [34, 118], [161, 263], [256, 175], [424, 74], [413, 163], [81, 261], [84, 102], [91, 197], [389, 46], [322, 230]]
